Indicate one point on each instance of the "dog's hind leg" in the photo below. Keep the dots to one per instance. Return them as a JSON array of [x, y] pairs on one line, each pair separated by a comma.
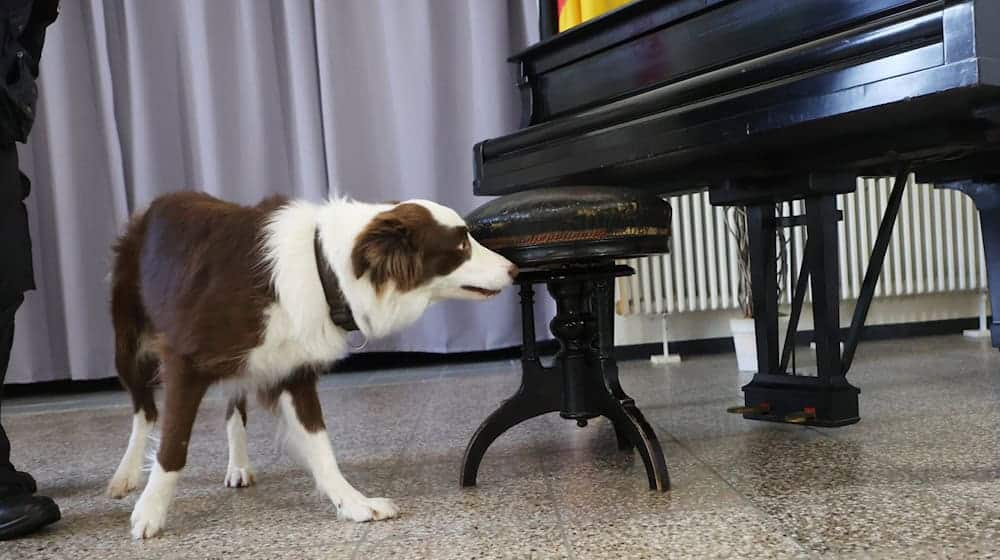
[[184, 388], [134, 359], [136, 374], [299, 407], [238, 473]]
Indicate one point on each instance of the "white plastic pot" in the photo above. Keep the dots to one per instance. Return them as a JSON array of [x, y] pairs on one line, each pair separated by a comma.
[[746, 342]]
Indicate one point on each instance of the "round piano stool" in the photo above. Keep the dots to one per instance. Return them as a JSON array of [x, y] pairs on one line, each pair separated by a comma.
[[569, 238]]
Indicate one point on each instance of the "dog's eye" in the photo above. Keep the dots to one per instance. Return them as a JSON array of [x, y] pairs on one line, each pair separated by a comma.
[[464, 245]]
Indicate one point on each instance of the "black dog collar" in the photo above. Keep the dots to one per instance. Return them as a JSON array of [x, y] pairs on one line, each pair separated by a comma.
[[340, 311]]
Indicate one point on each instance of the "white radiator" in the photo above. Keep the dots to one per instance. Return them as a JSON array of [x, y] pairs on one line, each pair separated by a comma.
[[936, 247]]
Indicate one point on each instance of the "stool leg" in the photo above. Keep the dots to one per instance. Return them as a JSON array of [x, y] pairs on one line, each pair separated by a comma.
[[610, 370], [630, 424], [540, 393], [624, 444], [631, 427]]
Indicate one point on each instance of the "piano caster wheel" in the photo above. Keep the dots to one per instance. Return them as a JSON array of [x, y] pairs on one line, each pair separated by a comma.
[[807, 414], [762, 408], [581, 423]]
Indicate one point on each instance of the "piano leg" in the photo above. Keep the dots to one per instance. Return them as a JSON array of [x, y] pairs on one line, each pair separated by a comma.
[[824, 275], [774, 395], [762, 233], [986, 195], [826, 399]]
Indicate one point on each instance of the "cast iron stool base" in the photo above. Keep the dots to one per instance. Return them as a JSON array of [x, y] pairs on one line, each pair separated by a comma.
[[583, 382]]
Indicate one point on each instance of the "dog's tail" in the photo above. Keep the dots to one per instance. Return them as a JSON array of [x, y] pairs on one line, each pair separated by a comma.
[[135, 361]]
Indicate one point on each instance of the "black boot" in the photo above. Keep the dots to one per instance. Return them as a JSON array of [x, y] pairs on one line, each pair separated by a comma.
[[27, 482], [22, 513]]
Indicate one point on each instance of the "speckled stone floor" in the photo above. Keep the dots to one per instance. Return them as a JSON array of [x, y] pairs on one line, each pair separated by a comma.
[[919, 477]]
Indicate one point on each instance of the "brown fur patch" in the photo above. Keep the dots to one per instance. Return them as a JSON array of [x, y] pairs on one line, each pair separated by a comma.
[[201, 283], [407, 247], [187, 277], [301, 386]]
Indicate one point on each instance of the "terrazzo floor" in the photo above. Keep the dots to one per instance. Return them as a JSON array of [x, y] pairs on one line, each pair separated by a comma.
[[919, 477]]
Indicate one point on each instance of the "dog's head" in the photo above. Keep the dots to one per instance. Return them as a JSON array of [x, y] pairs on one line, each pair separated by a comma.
[[421, 245]]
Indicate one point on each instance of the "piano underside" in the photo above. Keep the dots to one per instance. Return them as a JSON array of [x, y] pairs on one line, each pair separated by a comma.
[[691, 94]]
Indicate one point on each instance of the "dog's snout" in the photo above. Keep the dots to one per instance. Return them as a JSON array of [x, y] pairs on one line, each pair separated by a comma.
[[513, 270]]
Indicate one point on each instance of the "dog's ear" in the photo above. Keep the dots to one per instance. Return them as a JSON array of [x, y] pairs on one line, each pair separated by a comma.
[[386, 249]]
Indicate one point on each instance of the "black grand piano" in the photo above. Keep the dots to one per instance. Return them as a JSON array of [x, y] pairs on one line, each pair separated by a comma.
[[760, 102]]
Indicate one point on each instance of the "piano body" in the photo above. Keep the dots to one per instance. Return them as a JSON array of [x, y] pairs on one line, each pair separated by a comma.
[[765, 101]]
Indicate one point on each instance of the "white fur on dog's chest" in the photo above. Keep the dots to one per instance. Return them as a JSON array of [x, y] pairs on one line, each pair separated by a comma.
[[284, 350]]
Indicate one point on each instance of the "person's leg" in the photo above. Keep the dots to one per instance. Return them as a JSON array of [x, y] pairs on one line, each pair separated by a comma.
[[8, 476], [20, 511]]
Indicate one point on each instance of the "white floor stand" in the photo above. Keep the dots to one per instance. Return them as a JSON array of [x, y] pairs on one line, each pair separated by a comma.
[[984, 330], [666, 357]]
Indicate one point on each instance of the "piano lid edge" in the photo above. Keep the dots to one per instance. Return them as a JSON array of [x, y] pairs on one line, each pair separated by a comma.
[[964, 94]]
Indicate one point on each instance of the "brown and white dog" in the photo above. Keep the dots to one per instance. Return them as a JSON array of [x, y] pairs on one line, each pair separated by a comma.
[[205, 291]]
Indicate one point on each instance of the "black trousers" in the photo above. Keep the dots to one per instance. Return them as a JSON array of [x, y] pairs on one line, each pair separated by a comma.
[[7, 312], [16, 276]]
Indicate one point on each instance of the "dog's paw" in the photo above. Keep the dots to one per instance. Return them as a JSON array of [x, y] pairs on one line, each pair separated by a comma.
[[383, 508], [240, 477], [368, 509], [148, 517], [122, 484]]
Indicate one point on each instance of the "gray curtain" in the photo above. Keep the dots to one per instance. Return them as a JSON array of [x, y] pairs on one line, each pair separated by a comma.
[[376, 99]]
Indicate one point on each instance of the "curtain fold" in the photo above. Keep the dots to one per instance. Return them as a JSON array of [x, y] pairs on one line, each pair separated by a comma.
[[373, 99]]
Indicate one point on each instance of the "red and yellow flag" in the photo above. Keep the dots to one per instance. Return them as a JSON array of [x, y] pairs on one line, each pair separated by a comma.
[[575, 12]]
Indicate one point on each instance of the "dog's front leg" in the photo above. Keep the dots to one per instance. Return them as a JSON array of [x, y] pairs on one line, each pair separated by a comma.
[[183, 390], [300, 409], [239, 474]]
